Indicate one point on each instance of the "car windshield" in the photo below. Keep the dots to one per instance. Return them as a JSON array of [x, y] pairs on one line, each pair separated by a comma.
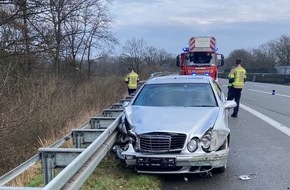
[[199, 58], [185, 95]]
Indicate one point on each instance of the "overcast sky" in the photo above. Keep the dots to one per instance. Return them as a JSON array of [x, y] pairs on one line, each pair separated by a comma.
[[169, 24]]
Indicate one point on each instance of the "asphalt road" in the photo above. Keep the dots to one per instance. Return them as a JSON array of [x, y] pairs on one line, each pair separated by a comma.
[[259, 147]]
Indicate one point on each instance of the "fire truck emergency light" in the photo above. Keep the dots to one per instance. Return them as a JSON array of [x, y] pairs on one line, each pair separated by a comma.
[[202, 74], [206, 73], [185, 49]]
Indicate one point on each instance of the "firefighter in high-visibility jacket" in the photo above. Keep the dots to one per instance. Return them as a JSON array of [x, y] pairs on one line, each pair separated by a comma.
[[237, 78], [132, 81]]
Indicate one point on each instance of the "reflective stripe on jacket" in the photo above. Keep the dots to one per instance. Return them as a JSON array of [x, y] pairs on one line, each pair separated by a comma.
[[132, 80], [230, 84], [239, 76]]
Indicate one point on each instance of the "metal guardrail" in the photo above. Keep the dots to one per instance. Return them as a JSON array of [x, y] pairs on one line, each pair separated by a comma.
[[264, 77], [158, 74], [77, 163]]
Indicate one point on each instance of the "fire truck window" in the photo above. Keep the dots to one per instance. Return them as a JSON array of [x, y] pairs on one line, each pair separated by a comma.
[[208, 58], [199, 58]]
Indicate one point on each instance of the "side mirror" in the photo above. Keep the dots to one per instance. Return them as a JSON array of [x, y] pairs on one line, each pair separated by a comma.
[[222, 60], [178, 60], [230, 104], [125, 104]]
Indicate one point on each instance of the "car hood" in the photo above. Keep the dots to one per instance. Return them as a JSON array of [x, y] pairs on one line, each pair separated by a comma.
[[196, 120]]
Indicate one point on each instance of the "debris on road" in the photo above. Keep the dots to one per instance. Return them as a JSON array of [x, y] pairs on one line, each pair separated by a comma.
[[245, 177]]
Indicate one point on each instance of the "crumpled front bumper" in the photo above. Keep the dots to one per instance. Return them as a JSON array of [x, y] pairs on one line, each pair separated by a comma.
[[176, 163]]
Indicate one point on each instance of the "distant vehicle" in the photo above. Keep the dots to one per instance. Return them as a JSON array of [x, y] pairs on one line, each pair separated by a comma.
[[176, 124], [201, 58]]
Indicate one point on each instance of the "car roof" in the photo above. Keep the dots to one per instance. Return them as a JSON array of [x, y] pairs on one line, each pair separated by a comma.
[[179, 79]]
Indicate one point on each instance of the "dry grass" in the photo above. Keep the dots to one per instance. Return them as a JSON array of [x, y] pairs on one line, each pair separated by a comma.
[[43, 111], [37, 111], [35, 170], [28, 175]]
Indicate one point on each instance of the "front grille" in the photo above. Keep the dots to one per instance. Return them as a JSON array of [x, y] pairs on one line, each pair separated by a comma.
[[161, 142]]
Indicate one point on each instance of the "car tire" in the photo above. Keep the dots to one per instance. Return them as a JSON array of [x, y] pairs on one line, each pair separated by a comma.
[[219, 170]]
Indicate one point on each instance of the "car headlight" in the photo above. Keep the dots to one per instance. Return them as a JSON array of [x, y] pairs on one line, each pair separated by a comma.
[[205, 141], [192, 145]]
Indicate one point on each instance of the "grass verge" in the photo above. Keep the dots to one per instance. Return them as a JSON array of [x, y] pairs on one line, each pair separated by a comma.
[[111, 175]]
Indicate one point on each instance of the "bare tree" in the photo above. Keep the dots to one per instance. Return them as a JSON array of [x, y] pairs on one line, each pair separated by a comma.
[[16, 35], [99, 33], [135, 50], [264, 58], [245, 55], [281, 47], [50, 26], [151, 55], [71, 29]]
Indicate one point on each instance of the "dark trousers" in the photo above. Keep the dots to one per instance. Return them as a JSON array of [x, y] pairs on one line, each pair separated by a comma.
[[130, 91], [235, 94]]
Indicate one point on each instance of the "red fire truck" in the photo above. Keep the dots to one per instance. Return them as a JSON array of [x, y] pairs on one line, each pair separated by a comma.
[[201, 58]]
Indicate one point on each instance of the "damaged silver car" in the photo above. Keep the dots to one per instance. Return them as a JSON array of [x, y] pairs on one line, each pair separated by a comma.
[[176, 124]]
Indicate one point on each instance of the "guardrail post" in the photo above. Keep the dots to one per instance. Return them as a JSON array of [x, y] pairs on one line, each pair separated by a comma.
[[53, 158], [82, 137], [117, 106], [112, 112], [48, 165], [101, 122], [79, 140], [95, 123]]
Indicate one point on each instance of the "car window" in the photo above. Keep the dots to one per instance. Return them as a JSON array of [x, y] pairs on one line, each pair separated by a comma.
[[185, 95]]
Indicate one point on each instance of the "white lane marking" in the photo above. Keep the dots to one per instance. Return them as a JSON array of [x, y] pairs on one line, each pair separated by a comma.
[[263, 86], [268, 120], [269, 93]]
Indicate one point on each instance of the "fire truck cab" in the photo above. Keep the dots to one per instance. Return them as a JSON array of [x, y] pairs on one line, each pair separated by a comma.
[[201, 58]]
